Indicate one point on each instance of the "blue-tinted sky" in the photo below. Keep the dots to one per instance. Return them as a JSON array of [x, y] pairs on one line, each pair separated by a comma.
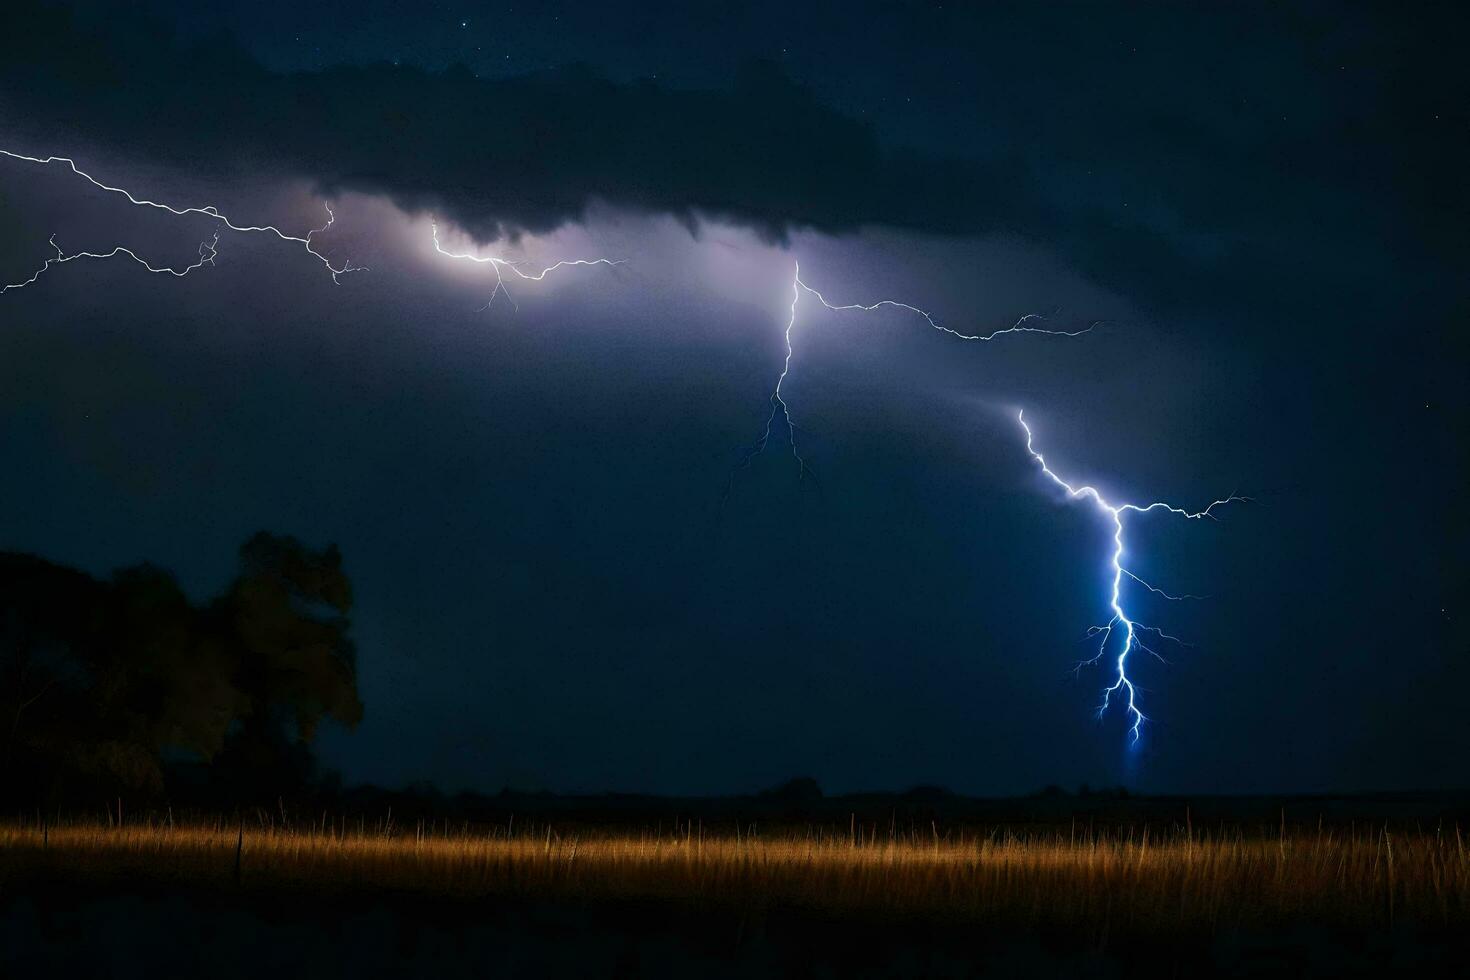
[[554, 588]]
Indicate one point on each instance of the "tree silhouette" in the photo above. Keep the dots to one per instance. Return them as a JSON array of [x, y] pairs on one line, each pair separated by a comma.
[[101, 681], [283, 625]]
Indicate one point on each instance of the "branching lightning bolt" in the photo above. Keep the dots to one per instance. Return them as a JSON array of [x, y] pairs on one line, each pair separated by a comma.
[[779, 408], [207, 253], [501, 266], [1123, 686], [778, 404], [208, 211]]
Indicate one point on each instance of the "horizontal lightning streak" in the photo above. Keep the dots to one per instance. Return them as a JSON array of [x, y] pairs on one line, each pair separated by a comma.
[[1122, 683], [501, 265], [208, 211], [207, 252], [1022, 325]]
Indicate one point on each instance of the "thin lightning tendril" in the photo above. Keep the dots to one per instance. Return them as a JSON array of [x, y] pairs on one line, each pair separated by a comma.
[[208, 211], [207, 252], [780, 409], [501, 266], [1123, 686]]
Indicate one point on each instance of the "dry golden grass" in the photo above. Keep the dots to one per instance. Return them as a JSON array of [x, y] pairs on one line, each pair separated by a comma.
[[1175, 882]]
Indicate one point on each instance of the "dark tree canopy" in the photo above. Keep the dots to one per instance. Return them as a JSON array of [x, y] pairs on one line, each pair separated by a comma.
[[106, 681]]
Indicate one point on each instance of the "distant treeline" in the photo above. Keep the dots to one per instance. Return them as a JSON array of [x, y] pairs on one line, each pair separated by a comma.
[[123, 686], [801, 803]]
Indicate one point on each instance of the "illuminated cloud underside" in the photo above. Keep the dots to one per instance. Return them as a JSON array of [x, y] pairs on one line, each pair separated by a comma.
[[502, 265]]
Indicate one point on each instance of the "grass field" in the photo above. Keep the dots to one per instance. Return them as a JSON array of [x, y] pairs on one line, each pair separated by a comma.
[[1135, 883]]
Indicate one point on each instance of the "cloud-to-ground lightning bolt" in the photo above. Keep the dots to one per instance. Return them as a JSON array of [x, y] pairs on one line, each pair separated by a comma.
[[501, 266], [208, 211], [1027, 324], [1123, 686]]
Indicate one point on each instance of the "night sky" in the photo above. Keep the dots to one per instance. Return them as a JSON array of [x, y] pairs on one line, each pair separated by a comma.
[[560, 584]]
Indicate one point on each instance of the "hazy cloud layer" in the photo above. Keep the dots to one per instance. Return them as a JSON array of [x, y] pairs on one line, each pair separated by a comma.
[[1130, 142]]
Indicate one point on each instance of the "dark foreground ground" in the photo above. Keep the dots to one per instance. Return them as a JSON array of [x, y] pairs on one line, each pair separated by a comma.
[[104, 903], [788, 884], [179, 932]]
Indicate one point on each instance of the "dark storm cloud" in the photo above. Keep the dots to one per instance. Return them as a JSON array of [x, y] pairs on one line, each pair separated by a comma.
[[516, 154], [1173, 154]]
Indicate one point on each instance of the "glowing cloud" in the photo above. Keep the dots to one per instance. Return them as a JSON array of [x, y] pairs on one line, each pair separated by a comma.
[[502, 266]]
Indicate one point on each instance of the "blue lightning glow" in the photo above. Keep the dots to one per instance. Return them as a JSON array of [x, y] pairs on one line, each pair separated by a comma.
[[1122, 685], [208, 211], [1027, 324], [501, 266]]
